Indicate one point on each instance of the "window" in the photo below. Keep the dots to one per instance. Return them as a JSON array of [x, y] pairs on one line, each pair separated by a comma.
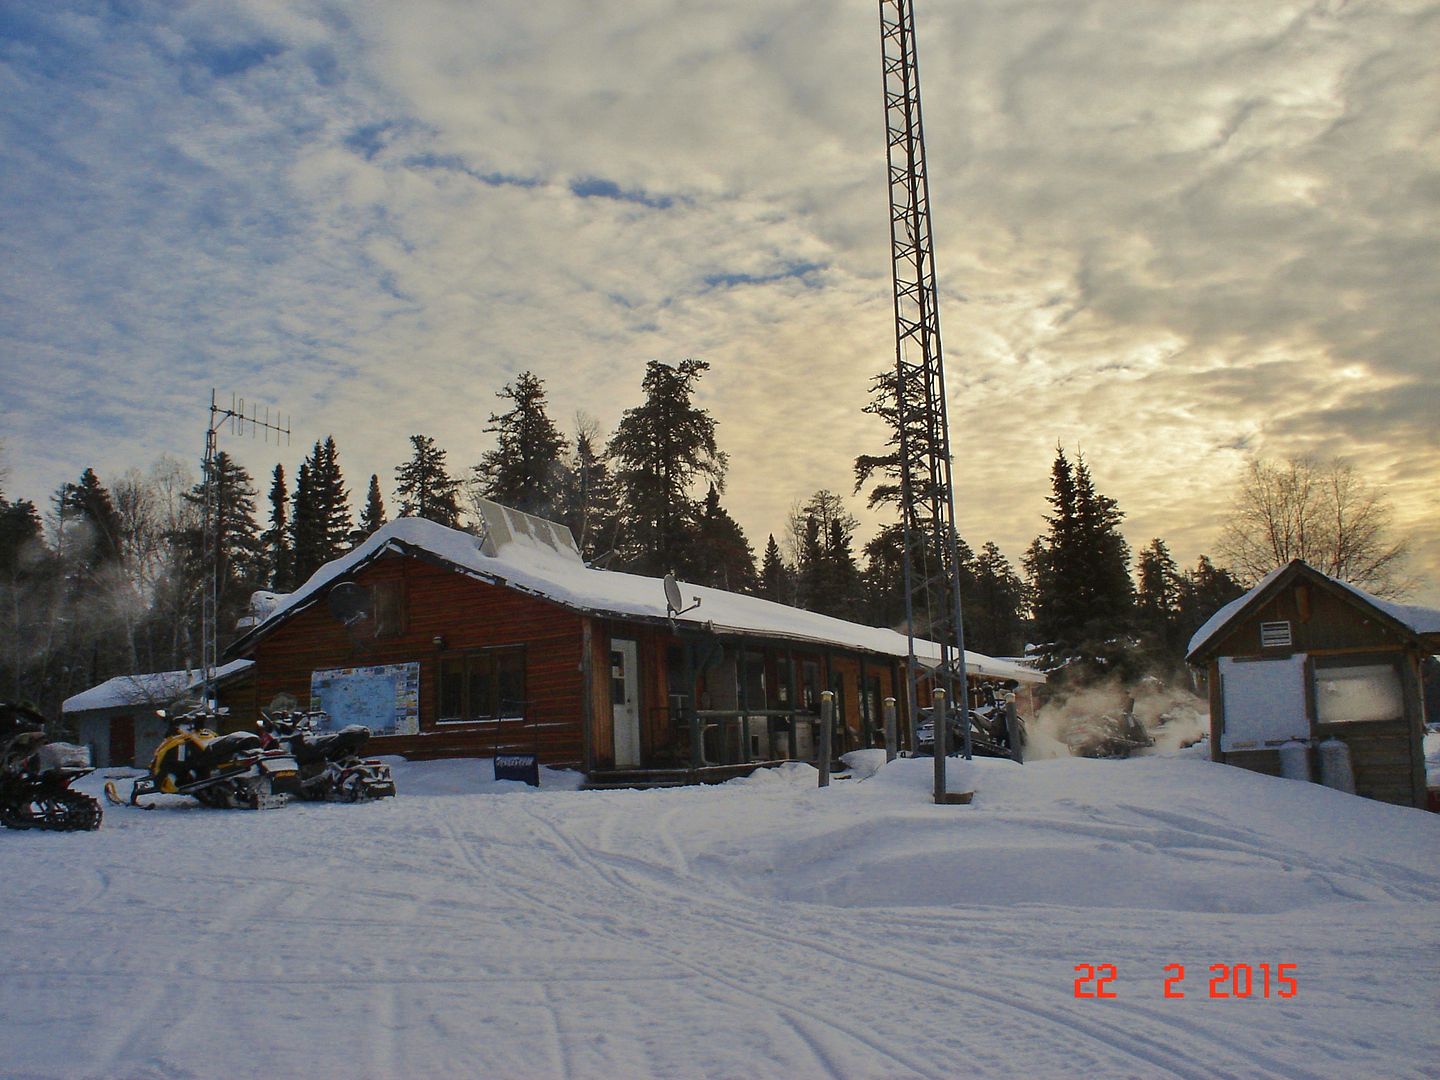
[[1353, 695], [485, 685], [389, 600]]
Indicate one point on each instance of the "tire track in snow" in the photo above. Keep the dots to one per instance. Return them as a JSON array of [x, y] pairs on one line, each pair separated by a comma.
[[1146, 1050], [784, 1007]]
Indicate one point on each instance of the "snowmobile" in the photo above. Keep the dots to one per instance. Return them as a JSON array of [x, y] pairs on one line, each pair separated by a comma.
[[222, 771], [35, 776], [1108, 736], [991, 734], [331, 767]]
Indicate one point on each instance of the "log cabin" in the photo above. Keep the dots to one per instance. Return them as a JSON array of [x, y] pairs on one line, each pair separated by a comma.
[[1303, 659], [449, 644]]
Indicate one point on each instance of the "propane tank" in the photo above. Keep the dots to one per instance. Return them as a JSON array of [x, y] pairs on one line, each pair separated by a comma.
[[1295, 760], [1335, 769]]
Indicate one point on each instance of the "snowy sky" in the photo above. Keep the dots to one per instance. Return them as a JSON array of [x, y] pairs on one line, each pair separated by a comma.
[[1169, 234]]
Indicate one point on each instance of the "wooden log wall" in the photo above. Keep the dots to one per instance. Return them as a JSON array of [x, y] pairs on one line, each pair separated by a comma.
[[466, 615]]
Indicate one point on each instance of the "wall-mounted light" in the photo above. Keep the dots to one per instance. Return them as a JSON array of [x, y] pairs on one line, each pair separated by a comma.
[[438, 641]]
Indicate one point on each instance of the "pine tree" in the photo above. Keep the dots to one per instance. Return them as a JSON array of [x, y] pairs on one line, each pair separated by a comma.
[[589, 505], [525, 471], [994, 605], [829, 580], [660, 448], [721, 556], [320, 527], [424, 487], [276, 539], [1079, 571], [95, 538], [777, 582], [239, 554], [374, 514], [1204, 591], [1157, 600]]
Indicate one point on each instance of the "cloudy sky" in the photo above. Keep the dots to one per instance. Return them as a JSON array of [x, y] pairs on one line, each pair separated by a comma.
[[1169, 235]]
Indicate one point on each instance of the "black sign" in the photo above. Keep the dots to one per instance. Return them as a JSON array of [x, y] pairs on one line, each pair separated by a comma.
[[524, 767]]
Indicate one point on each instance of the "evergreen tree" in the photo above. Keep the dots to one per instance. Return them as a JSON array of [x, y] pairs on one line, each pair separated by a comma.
[[1079, 571], [424, 487], [589, 505], [883, 581], [829, 580], [777, 582], [721, 556], [525, 471], [374, 514], [1204, 591], [1157, 600], [239, 553], [320, 527], [95, 537], [276, 539], [660, 448], [994, 605]]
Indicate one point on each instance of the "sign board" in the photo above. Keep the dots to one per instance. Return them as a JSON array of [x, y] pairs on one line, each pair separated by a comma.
[[1264, 702], [522, 767], [384, 698]]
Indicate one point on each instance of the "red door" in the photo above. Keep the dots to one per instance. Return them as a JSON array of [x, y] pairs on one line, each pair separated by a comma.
[[122, 740]]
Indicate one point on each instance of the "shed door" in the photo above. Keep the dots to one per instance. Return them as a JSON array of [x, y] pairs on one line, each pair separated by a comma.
[[625, 697], [122, 741], [1264, 702]]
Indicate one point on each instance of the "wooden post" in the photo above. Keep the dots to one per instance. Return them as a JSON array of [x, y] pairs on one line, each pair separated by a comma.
[[942, 742], [827, 717], [891, 738]]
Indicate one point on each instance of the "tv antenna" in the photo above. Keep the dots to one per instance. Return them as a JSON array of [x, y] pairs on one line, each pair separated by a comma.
[[236, 417]]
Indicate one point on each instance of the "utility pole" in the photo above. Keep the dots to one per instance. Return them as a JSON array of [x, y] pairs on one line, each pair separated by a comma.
[[209, 594], [926, 492]]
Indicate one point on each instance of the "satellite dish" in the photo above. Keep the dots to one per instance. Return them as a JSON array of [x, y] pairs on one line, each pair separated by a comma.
[[349, 602], [673, 599]]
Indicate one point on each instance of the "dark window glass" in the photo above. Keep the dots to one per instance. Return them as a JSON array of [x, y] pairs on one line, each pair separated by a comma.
[[485, 685], [452, 689]]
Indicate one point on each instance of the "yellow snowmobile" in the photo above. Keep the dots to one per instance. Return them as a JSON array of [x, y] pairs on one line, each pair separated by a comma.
[[219, 770]]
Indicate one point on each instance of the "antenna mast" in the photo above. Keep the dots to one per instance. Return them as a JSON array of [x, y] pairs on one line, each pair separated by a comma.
[[209, 601], [926, 493]]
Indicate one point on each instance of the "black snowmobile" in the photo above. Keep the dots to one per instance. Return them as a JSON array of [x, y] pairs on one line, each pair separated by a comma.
[[1108, 735], [35, 776], [331, 767], [222, 771]]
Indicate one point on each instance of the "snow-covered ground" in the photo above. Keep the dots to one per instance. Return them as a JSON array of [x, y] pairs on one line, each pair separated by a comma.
[[759, 929]]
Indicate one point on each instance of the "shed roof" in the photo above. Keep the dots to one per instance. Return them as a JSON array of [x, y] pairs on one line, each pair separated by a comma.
[[153, 688], [541, 567], [1417, 621]]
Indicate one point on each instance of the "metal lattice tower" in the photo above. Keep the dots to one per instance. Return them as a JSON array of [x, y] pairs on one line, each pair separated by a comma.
[[927, 496]]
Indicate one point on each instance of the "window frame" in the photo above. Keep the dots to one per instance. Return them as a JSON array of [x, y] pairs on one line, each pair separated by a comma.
[[487, 661]]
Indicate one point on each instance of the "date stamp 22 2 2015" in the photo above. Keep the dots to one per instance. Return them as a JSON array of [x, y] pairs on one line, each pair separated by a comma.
[[1230, 981]]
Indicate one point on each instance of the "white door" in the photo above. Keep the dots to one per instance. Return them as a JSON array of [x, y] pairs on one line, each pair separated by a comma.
[[625, 696]]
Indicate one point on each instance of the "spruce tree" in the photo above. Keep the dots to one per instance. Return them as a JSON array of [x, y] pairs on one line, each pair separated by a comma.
[[721, 556], [994, 605], [277, 538], [1079, 571], [238, 557], [589, 506], [424, 487], [777, 583], [320, 525], [373, 515], [660, 449], [525, 471]]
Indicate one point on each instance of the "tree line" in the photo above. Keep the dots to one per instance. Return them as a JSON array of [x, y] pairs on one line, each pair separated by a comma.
[[109, 580]]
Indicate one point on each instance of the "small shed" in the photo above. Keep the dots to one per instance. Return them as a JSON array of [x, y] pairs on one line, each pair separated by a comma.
[[117, 720], [1304, 658]]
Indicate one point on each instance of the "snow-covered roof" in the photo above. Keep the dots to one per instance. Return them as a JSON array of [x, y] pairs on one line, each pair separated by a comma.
[[555, 572], [154, 688], [1419, 620]]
